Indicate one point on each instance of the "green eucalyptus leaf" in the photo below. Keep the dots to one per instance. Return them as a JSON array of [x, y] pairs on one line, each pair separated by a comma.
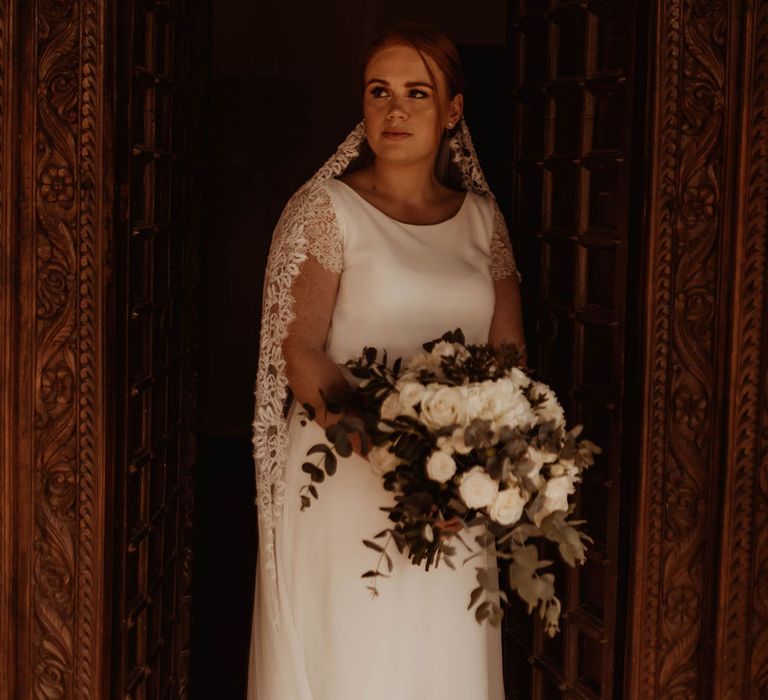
[[330, 463], [474, 597]]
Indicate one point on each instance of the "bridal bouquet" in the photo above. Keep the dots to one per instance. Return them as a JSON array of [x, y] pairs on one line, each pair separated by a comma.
[[462, 435]]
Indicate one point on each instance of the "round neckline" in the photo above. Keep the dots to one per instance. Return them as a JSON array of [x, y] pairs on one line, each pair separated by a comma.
[[403, 223]]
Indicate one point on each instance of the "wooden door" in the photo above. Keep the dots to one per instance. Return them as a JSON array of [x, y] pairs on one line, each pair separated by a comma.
[[162, 63], [573, 165]]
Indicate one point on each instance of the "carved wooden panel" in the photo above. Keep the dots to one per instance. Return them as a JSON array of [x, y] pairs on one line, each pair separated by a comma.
[[573, 163], [161, 72], [701, 565], [54, 445], [741, 654]]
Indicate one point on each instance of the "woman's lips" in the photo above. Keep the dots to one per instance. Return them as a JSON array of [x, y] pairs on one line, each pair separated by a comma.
[[395, 135]]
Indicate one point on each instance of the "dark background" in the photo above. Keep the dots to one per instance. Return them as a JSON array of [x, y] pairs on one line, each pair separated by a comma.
[[284, 93]]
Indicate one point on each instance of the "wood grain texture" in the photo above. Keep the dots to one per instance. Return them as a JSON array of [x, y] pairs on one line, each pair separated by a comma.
[[677, 509], [7, 373], [698, 616], [741, 658], [63, 251]]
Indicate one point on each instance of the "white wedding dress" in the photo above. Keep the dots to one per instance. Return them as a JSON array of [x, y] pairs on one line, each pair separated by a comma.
[[401, 285]]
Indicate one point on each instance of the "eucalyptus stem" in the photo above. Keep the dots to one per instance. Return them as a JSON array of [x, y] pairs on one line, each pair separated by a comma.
[[372, 588]]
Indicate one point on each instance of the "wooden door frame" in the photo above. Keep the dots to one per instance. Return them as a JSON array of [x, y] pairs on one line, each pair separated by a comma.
[[55, 236], [700, 559]]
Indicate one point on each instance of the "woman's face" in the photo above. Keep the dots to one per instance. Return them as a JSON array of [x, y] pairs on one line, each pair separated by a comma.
[[403, 121]]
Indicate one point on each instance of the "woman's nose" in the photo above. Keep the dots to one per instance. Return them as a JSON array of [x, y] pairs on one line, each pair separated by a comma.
[[397, 109]]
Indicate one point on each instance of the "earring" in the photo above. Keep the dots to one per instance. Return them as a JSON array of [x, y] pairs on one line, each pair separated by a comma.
[[450, 125]]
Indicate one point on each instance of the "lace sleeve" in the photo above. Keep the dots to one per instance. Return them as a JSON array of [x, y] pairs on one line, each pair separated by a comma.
[[322, 230], [502, 257]]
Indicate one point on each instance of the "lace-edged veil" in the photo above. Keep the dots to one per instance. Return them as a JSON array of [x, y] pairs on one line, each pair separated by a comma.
[[287, 253]]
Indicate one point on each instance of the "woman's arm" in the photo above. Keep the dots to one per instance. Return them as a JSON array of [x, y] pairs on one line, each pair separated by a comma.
[[507, 322], [308, 368]]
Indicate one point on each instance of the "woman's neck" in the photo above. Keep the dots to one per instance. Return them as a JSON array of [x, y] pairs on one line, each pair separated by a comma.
[[409, 183]]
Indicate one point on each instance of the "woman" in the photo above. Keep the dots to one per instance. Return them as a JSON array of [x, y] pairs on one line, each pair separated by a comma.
[[376, 249]]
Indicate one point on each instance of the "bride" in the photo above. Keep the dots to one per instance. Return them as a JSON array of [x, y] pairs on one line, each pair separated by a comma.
[[395, 240]]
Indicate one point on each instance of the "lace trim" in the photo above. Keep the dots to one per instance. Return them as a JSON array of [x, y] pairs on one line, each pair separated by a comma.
[[289, 249], [502, 256], [323, 231]]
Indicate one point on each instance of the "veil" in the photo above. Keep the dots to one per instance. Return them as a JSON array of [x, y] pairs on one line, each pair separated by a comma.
[[287, 252]]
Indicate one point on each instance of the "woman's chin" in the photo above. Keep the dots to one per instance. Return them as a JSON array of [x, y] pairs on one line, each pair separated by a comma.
[[401, 153]]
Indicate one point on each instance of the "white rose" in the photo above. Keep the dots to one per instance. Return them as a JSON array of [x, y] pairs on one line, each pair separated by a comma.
[[381, 459], [440, 466], [512, 408], [550, 408], [519, 415], [476, 488], [492, 400], [390, 407], [457, 441], [508, 505], [442, 405], [474, 399], [411, 393], [552, 496]]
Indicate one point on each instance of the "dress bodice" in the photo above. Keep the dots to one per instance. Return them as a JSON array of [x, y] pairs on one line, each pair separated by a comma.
[[404, 284]]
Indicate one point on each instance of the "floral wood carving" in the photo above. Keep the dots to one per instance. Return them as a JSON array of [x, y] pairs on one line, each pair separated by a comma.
[[688, 192], [700, 239], [67, 561]]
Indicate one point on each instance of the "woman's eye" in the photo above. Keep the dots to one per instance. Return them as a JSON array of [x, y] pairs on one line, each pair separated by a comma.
[[378, 91], [419, 94]]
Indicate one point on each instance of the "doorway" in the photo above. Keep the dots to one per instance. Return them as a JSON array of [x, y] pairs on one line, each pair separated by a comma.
[[551, 107], [284, 93]]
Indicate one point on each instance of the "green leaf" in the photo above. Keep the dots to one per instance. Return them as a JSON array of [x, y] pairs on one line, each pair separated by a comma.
[[313, 490], [373, 545], [305, 502], [330, 463], [315, 449], [369, 574], [483, 610], [569, 539], [307, 467], [389, 561], [474, 597]]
